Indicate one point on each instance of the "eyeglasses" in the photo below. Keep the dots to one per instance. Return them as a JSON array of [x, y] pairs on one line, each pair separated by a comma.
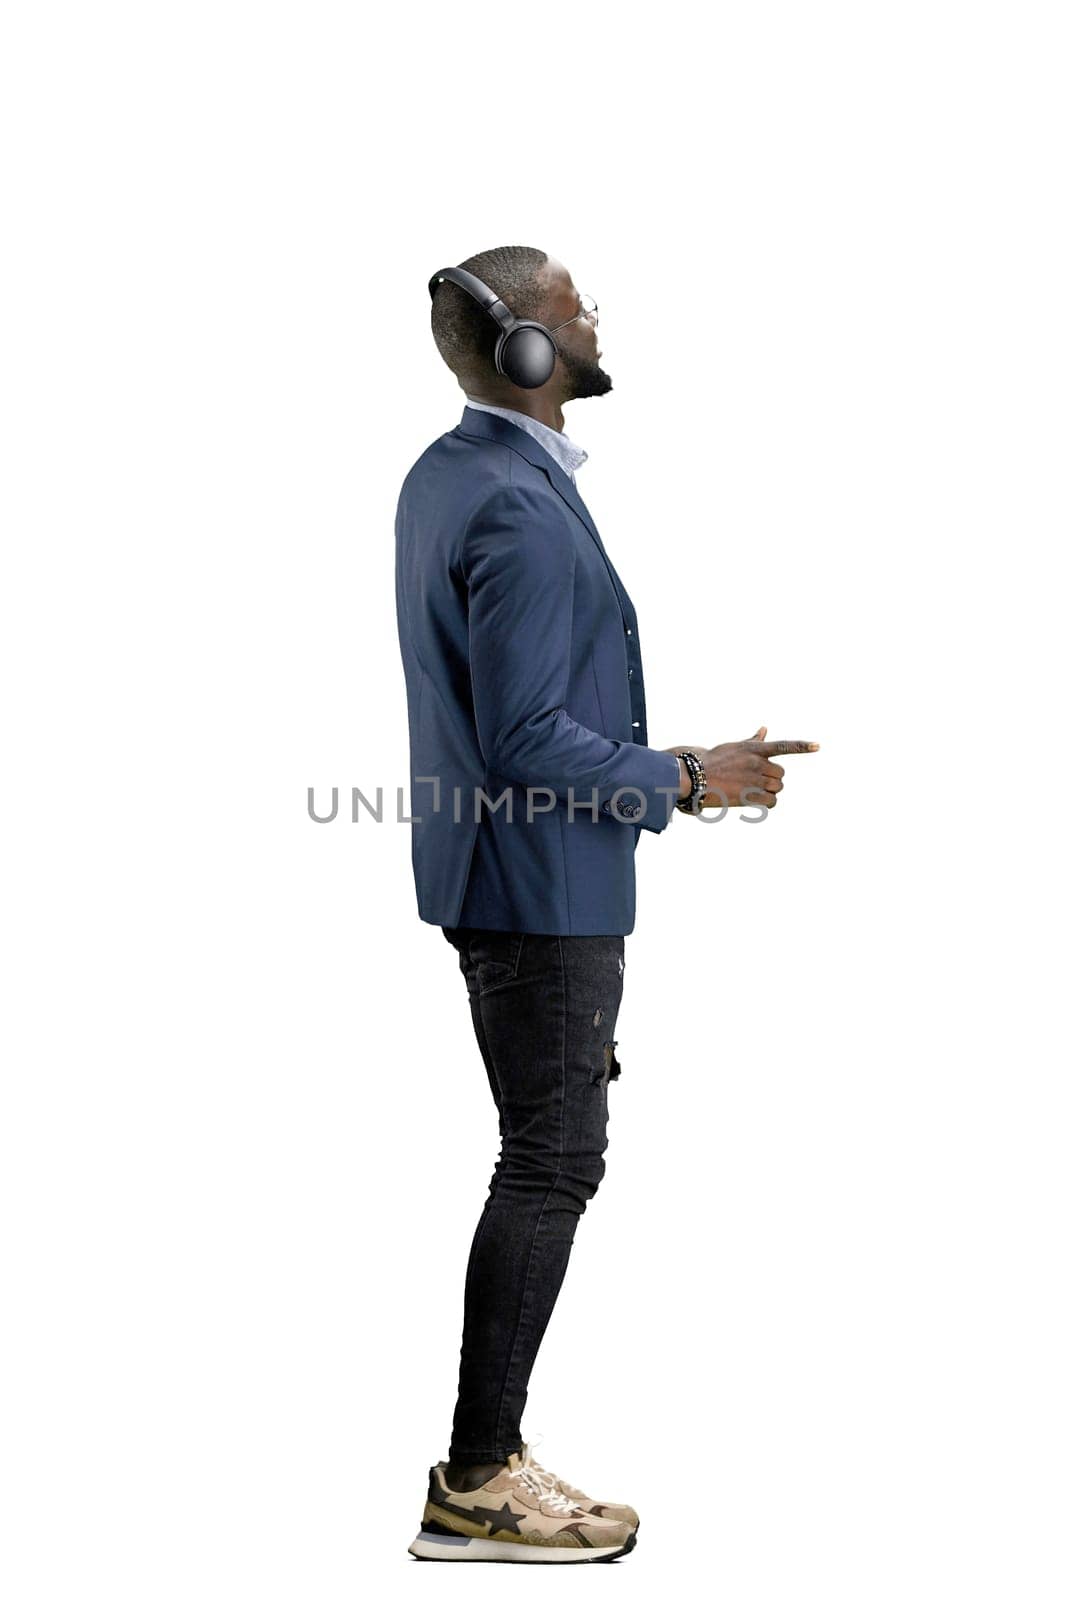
[[588, 311]]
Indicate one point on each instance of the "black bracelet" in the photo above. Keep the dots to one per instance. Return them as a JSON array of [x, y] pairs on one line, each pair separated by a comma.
[[699, 779]]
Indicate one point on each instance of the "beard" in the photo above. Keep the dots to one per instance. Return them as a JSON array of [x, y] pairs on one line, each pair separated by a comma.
[[585, 378]]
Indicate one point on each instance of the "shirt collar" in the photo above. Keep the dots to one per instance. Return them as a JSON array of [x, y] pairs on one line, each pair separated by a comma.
[[563, 450]]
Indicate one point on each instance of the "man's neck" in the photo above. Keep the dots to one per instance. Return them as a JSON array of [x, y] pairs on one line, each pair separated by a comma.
[[538, 406]]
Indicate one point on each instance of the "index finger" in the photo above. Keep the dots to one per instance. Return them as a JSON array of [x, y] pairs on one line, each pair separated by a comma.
[[779, 747]]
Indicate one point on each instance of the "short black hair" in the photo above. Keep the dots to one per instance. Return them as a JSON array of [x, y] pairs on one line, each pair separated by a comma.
[[465, 334]]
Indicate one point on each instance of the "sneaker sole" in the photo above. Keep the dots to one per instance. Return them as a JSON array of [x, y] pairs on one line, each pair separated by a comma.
[[458, 1547]]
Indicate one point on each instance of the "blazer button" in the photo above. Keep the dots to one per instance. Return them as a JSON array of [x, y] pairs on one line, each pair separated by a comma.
[[635, 724], [630, 672], [628, 632]]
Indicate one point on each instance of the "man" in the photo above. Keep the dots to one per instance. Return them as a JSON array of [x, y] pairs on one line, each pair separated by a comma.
[[533, 781]]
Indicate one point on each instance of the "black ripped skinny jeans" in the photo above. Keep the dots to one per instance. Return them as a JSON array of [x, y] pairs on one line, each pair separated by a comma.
[[544, 1009]]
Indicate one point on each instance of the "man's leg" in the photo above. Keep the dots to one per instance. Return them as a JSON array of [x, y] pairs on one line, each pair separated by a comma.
[[544, 1010]]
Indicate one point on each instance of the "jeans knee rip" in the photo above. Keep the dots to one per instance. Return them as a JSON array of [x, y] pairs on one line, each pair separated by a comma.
[[609, 1067]]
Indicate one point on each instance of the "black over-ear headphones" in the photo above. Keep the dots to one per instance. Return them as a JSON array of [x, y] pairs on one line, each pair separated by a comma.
[[525, 351]]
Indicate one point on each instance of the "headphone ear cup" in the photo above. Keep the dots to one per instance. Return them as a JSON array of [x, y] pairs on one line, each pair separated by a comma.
[[526, 355]]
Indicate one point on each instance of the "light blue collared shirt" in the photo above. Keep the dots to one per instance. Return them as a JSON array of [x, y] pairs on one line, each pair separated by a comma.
[[562, 450]]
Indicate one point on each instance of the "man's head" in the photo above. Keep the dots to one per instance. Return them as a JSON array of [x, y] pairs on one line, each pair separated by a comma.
[[536, 288]]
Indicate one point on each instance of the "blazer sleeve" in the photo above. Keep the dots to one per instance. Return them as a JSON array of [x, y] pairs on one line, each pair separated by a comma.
[[518, 561]]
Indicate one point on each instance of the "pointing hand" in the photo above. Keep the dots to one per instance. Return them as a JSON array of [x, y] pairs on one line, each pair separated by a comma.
[[743, 774]]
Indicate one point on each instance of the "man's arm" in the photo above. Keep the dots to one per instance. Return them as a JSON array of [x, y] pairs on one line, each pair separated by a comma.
[[518, 561]]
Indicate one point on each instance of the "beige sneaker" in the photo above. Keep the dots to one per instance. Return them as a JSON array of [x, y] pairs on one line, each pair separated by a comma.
[[596, 1508], [514, 1517]]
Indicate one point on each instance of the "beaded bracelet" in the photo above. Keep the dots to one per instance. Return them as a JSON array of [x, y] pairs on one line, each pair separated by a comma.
[[699, 779]]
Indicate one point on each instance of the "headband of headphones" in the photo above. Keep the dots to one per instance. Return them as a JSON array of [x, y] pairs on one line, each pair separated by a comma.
[[525, 352]]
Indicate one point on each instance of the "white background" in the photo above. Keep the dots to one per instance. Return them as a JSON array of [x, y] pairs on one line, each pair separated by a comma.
[[814, 1324]]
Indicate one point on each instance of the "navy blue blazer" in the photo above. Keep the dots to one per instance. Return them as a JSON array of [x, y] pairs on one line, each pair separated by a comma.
[[524, 691]]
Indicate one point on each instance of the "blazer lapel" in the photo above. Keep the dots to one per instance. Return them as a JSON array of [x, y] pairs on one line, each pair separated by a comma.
[[563, 485], [483, 425]]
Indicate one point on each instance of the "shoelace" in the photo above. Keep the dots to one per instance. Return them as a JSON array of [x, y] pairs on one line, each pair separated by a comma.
[[551, 1478], [541, 1483]]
